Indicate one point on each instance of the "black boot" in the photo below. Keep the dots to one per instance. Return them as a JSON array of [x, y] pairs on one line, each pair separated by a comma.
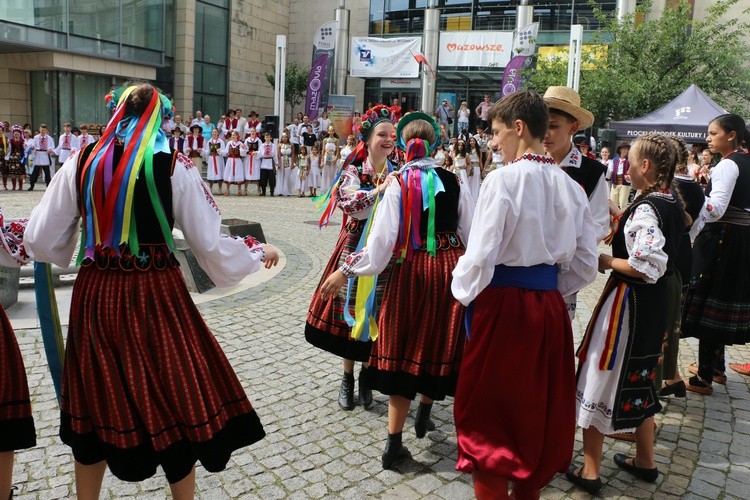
[[365, 391], [423, 422], [346, 393], [394, 451]]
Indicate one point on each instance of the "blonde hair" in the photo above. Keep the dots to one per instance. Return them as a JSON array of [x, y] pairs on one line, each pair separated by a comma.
[[419, 129]]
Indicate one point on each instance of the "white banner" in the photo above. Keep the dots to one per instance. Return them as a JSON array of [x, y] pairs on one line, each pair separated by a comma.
[[488, 49], [524, 44], [384, 57]]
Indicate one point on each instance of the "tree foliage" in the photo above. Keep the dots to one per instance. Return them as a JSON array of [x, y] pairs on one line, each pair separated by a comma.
[[651, 60], [296, 82]]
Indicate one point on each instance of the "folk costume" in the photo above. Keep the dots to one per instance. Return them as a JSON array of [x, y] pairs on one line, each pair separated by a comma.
[[421, 338], [213, 150], [717, 303], [17, 158], [177, 142], [302, 172], [137, 347], [618, 179], [43, 145], [67, 144], [194, 147], [268, 160], [234, 168], [287, 173], [474, 170], [532, 241], [16, 422], [4, 168], [328, 321], [622, 346], [330, 145], [314, 176], [252, 168]]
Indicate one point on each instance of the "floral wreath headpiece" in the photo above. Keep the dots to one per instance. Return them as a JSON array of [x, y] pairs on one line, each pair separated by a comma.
[[372, 118], [17, 128], [115, 95]]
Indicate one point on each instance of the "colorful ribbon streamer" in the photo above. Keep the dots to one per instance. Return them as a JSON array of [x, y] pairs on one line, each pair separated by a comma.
[[49, 321]]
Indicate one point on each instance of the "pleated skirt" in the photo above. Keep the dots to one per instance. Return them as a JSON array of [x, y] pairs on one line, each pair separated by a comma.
[[145, 383], [515, 403], [326, 327], [16, 423], [421, 329]]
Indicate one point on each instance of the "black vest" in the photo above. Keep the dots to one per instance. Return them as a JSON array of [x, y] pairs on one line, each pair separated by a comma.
[[588, 174], [147, 225], [741, 194], [446, 205]]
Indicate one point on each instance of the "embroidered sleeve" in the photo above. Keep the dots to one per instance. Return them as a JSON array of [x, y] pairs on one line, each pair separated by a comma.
[[12, 250], [723, 179], [645, 243], [351, 261], [354, 201]]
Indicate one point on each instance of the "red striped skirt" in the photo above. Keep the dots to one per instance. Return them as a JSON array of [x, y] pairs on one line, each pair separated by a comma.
[[326, 327], [515, 403], [145, 382], [421, 329], [16, 423]]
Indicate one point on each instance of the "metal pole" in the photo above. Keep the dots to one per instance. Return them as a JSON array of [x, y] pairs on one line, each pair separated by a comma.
[[624, 8], [574, 56], [524, 14], [430, 51], [280, 78], [341, 53]]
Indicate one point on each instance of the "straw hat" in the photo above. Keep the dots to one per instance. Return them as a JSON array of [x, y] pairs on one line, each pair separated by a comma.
[[566, 99]]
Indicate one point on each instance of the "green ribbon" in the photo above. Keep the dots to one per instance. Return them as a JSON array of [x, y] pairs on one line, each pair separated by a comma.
[[431, 243]]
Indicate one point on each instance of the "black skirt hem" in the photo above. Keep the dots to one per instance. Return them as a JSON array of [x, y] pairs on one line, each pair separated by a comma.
[[343, 347], [140, 463], [17, 434], [408, 386]]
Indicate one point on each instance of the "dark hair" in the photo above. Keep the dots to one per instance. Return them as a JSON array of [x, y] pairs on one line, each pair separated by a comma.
[[139, 99], [524, 105], [460, 148], [567, 116], [733, 123]]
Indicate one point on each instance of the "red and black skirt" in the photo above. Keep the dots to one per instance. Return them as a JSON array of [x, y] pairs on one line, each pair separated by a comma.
[[145, 383], [16, 423], [515, 402], [326, 327], [421, 328]]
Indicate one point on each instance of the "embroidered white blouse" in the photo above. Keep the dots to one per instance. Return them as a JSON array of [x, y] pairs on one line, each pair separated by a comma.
[[599, 199], [381, 241], [645, 243], [53, 228], [529, 212], [723, 179]]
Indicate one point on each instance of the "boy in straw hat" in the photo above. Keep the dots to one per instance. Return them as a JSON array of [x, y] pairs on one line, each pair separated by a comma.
[[566, 117]]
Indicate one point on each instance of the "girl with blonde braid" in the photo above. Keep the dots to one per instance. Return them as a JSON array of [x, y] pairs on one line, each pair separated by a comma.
[[620, 350]]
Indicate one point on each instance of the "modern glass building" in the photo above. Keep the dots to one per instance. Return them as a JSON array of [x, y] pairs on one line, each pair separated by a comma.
[[406, 18], [59, 57]]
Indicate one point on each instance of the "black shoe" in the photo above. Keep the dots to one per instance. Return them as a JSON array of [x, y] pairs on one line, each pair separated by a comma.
[[677, 389], [365, 391], [648, 475], [592, 486], [423, 422], [394, 453], [346, 392], [31, 188]]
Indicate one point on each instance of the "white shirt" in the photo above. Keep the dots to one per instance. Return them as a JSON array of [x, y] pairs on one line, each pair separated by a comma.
[[293, 131], [599, 199], [43, 145], [528, 213], [324, 123], [723, 179], [52, 232], [386, 226], [67, 145]]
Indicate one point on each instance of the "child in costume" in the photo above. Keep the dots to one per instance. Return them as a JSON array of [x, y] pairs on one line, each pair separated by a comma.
[[313, 179], [621, 348], [474, 167], [234, 167], [425, 217], [531, 242], [17, 158], [303, 171], [137, 347], [252, 167], [361, 180], [213, 150], [330, 147]]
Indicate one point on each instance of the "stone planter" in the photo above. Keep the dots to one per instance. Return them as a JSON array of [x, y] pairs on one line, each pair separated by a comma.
[[9, 279], [195, 277], [242, 228]]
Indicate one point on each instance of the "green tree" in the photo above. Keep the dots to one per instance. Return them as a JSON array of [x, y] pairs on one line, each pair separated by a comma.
[[651, 60], [296, 82]]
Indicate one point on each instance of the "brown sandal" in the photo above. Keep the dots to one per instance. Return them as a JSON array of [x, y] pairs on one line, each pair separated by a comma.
[[719, 377], [741, 368]]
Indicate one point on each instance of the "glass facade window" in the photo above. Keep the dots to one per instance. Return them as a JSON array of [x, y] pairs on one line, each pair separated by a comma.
[[119, 29], [211, 57]]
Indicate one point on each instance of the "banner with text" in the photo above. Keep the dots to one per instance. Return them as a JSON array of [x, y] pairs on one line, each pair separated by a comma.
[[384, 57], [341, 112], [319, 80], [488, 49]]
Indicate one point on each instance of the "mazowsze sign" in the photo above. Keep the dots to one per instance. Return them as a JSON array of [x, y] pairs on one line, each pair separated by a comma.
[[475, 48]]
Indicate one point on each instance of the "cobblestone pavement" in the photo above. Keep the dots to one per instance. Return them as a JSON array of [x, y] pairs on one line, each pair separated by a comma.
[[315, 450]]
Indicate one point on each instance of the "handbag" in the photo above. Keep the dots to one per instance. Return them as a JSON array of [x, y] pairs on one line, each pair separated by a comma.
[[450, 121]]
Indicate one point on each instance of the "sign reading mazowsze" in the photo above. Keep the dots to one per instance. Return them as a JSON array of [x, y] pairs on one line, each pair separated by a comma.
[[384, 57], [475, 48]]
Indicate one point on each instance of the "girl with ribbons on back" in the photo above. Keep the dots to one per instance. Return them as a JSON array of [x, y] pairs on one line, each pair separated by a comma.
[[425, 217], [137, 346], [361, 180]]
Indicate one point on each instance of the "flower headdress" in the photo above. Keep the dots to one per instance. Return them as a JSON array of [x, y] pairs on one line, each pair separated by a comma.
[[372, 117], [17, 128], [107, 192]]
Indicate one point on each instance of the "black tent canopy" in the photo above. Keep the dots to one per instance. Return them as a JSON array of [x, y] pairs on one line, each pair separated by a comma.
[[686, 116]]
